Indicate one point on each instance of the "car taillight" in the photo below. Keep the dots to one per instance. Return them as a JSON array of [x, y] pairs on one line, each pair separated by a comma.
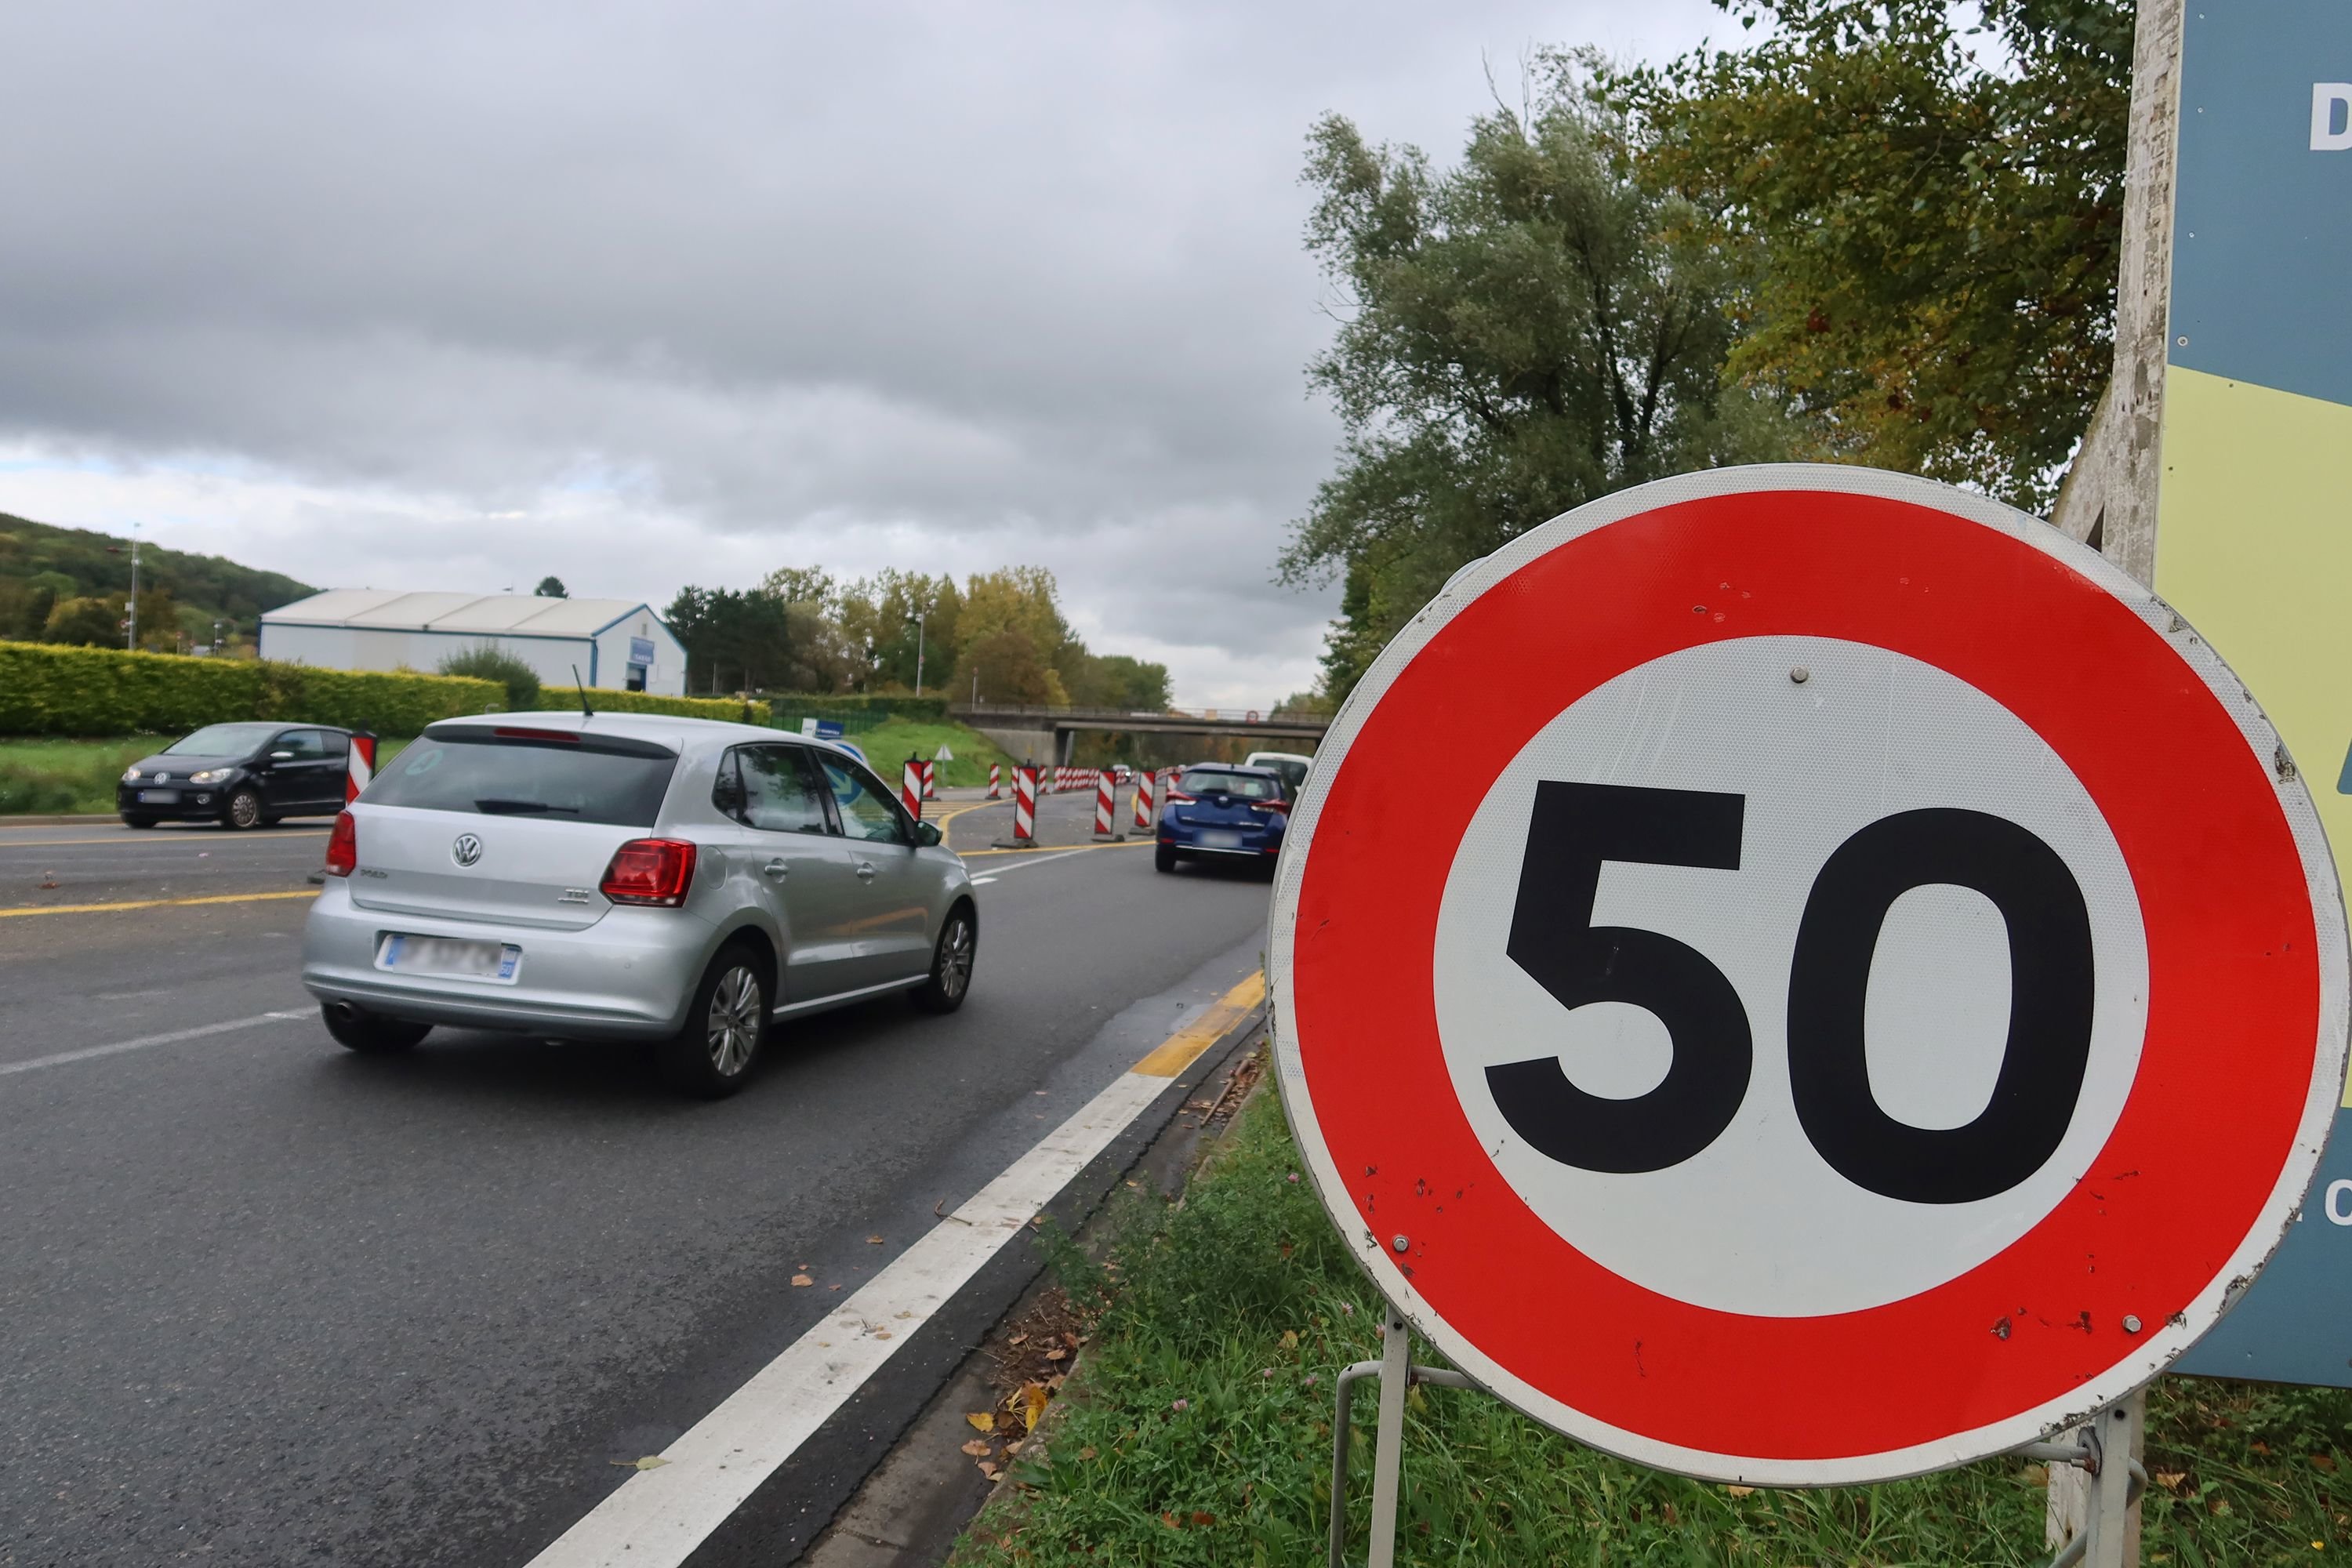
[[1178, 797], [1274, 808], [344, 846], [655, 871]]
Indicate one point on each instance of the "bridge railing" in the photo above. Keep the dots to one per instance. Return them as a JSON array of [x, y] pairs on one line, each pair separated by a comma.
[[988, 711]]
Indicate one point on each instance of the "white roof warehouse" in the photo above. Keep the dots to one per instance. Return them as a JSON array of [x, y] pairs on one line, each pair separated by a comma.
[[615, 642]]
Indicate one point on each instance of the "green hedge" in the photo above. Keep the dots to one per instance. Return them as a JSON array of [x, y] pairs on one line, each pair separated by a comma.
[[45, 689], [855, 713], [727, 710]]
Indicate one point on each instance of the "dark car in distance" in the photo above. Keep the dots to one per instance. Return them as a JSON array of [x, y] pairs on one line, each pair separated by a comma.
[[1217, 810], [239, 776]]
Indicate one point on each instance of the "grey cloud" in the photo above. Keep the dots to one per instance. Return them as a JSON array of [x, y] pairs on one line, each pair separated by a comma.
[[856, 285]]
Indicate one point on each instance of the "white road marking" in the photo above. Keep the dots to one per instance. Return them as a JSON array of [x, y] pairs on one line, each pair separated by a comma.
[[657, 1517], [981, 881], [995, 871], [141, 1044]]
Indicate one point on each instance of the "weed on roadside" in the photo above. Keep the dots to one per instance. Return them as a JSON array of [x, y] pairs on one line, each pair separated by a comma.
[[1198, 1431]]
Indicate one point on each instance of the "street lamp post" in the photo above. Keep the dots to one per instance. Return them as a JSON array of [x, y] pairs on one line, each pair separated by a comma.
[[918, 619], [131, 637]]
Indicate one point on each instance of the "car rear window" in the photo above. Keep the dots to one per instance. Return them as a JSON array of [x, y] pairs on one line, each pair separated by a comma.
[[1213, 781], [602, 779]]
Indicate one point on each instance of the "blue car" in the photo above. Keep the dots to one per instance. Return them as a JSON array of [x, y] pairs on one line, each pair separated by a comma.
[[1218, 810]]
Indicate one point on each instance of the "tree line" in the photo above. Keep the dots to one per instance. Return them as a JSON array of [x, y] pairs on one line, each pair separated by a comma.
[[1000, 636], [73, 586], [1886, 233]]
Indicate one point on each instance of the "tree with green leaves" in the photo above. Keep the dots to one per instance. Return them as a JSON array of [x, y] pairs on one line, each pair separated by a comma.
[[1929, 203], [550, 587], [488, 661], [1519, 334]]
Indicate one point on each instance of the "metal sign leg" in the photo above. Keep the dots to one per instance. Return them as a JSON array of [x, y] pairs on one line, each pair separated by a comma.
[[1388, 1452]]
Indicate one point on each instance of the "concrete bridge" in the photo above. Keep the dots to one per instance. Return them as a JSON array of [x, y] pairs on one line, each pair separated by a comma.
[[1048, 734]]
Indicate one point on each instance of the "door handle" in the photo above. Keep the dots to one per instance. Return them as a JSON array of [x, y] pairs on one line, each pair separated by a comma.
[[866, 870], [776, 868]]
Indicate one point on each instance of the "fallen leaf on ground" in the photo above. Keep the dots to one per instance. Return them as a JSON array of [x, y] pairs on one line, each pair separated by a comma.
[[1018, 1340], [800, 1279], [1204, 1518], [650, 1462], [1034, 1399], [873, 1241], [1087, 1452], [1290, 1339], [2171, 1479], [976, 1449], [1170, 1521], [984, 1420], [1740, 1491], [2323, 1462], [1057, 1353], [986, 1468], [881, 1334]]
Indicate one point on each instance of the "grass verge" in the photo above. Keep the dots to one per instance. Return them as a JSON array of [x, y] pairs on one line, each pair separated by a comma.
[[1197, 1430], [55, 777], [887, 746]]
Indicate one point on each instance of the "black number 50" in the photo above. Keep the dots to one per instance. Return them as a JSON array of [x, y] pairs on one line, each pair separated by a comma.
[[1576, 826]]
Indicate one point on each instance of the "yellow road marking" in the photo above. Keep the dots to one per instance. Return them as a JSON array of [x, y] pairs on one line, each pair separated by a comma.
[[1183, 1047], [147, 904]]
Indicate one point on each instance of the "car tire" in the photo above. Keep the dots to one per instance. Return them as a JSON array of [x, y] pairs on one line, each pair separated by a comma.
[[131, 820], [1163, 859], [951, 959], [242, 811], [372, 1034], [711, 1056]]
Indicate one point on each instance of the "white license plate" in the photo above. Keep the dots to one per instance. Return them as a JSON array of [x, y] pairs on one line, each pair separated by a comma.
[[501, 961], [159, 797], [1220, 838]]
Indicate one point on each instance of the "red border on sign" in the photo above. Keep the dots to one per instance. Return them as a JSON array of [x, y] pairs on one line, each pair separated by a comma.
[[2225, 1069]]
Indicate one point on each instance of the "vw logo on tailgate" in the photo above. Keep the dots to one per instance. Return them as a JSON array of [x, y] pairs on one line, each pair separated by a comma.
[[467, 850]]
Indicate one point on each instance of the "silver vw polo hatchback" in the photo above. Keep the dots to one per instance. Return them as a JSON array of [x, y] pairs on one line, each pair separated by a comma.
[[629, 875]]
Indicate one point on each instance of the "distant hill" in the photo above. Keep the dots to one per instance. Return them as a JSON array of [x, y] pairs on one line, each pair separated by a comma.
[[41, 564]]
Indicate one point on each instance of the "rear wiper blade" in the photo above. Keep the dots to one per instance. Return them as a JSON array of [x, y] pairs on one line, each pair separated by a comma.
[[495, 807]]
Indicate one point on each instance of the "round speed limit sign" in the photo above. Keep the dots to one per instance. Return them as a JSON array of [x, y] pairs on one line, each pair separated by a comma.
[[1804, 976]]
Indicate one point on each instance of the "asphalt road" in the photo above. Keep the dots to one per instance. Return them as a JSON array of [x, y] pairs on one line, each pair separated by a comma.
[[264, 1301]]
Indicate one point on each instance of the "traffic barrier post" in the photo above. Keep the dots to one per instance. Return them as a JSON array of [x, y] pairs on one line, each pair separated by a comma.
[[1024, 806], [910, 787], [995, 781], [930, 783], [361, 767], [1106, 807], [1147, 815]]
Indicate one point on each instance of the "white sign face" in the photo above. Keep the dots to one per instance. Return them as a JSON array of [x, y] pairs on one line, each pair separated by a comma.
[[1757, 1221], [1859, 988]]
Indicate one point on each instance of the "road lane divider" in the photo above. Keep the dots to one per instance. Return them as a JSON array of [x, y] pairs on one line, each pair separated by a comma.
[[149, 903], [88, 1053], [658, 1517], [149, 841]]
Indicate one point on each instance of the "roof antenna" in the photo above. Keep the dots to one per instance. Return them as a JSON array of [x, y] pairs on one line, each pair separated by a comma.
[[585, 712]]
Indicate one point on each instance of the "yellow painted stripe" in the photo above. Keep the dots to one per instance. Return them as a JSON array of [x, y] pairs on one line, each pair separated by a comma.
[[1183, 1047], [149, 904]]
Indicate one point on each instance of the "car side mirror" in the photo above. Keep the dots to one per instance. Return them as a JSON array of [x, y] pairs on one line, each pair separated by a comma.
[[281, 756], [926, 834]]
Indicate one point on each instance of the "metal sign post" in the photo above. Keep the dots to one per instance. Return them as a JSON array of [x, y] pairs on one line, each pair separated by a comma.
[[1811, 993]]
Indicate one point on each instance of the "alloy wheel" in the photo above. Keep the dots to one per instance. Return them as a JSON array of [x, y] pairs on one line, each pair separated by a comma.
[[955, 959], [733, 1026]]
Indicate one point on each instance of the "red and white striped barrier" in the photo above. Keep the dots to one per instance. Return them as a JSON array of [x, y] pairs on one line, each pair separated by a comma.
[[910, 788], [1024, 804], [930, 783], [1106, 804], [997, 780], [1147, 816], [361, 767]]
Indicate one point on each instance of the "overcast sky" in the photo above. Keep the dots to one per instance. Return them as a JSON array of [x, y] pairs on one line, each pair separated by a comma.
[[444, 296]]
